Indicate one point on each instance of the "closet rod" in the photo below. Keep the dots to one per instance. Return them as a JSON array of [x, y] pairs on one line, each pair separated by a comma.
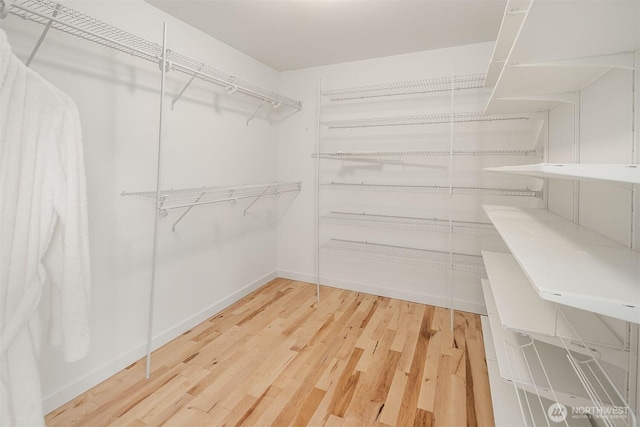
[[356, 155], [434, 189], [427, 119]]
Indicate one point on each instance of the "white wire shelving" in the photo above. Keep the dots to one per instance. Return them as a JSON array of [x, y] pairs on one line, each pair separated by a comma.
[[419, 120], [59, 17], [414, 87], [433, 189], [408, 223], [404, 255], [400, 155], [190, 197], [555, 373], [508, 401]]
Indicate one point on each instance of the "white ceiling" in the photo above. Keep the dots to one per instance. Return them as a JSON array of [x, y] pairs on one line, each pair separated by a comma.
[[294, 34]]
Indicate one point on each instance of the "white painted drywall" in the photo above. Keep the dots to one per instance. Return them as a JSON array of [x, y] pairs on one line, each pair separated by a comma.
[[216, 254]]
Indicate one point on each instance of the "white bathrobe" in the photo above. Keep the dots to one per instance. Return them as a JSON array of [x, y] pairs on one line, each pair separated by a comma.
[[43, 234]]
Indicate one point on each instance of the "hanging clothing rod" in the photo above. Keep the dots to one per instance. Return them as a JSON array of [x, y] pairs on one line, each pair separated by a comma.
[[83, 26]]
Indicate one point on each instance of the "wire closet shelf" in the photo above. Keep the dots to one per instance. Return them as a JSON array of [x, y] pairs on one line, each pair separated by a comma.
[[185, 198], [399, 155], [404, 255], [408, 223], [433, 189], [68, 20], [594, 393], [419, 120], [414, 87]]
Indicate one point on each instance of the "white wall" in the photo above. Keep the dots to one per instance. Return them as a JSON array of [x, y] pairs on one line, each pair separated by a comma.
[[216, 254], [597, 129], [298, 136]]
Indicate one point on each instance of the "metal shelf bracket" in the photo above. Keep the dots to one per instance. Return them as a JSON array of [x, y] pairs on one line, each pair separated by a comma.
[[173, 227], [255, 200], [177, 97], [256, 112], [42, 37]]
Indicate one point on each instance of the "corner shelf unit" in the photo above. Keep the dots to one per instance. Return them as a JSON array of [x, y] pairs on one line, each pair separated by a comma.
[[404, 255], [606, 172], [559, 48], [522, 310], [569, 264], [57, 16], [415, 87], [551, 372], [408, 223], [433, 189]]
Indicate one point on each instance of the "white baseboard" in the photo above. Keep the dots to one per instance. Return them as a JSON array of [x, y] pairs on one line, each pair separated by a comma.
[[294, 275], [438, 301], [62, 396]]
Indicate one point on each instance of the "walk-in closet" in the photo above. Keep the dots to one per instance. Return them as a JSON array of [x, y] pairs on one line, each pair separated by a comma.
[[319, 213]]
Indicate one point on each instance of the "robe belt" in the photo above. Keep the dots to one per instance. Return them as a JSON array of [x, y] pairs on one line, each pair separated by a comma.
[[25, 309]]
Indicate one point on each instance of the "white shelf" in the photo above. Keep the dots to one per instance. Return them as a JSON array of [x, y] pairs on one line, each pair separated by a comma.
[[404, 255], [562, 47], [415, 87], [408, 223], [604, 172], [569, 264], [521, 309], [543, 369], [511, 22], [506, 399]]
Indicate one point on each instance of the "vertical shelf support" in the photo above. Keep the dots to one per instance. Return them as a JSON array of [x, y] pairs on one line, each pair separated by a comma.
[[42, 37], [159, 200], [451, 275], [317, 198]]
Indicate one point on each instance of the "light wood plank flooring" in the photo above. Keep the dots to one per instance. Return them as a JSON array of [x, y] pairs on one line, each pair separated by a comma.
[[279, 358]]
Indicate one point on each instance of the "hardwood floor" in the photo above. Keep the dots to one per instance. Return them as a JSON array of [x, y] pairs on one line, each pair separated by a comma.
[[279, 358]]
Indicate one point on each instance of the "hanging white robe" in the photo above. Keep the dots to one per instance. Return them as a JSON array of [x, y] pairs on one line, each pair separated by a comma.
[[43, 233]]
